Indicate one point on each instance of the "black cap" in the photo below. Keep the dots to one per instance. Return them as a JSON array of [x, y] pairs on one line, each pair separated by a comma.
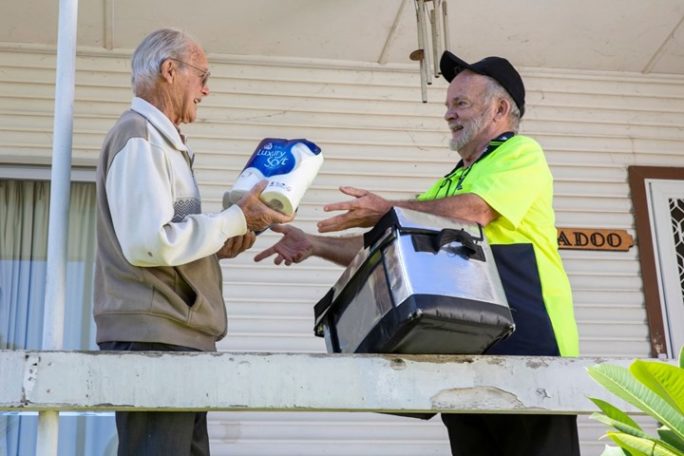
[[496, 68]]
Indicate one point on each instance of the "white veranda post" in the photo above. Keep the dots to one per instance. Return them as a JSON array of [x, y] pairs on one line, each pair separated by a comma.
[[55, 292]]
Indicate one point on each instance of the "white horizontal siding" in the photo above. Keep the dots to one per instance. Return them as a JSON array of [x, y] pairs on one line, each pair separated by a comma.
[[375, 134]]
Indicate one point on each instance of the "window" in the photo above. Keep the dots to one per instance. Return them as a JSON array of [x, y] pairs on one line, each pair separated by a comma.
[[24, 212]]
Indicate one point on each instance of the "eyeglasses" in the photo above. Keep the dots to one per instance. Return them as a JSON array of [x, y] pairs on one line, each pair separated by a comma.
[[204, 74]]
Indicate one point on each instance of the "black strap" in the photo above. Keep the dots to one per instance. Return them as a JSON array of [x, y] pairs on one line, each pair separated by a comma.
[[433, 242]]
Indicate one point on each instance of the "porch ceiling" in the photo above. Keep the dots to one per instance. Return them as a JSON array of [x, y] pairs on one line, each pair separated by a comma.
[[622, 35]]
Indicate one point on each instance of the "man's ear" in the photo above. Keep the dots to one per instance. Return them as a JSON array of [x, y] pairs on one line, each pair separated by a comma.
[[168, 70], [503, 108]]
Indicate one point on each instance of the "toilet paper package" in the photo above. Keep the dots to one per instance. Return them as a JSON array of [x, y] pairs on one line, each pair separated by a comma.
[[290, 167]]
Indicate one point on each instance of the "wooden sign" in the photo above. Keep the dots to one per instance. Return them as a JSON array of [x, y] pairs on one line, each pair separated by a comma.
[[594, 239]]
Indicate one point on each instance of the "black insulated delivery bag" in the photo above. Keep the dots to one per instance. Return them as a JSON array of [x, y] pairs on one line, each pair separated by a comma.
[[422, 284]]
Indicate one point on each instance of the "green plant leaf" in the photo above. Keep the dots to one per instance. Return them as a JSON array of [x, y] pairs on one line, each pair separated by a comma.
[[641, 447], [620, 382], [681, 357], [621, 426], [669, 437], [665, 380], [623, 440], [613, 451], [613, 412]]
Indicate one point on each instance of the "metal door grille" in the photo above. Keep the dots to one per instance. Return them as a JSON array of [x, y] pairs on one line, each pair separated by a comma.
[[677, 213]]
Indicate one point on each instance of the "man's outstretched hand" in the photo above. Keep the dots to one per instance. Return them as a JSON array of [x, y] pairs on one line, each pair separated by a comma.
[[294, 247], [363, 211]]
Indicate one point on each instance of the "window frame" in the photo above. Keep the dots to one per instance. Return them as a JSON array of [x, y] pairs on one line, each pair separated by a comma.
[[637, 176], [43, 172]]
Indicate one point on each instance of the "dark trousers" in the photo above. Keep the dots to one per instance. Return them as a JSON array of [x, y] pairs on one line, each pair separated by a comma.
[[159, 433], [512, 435], [517, 435]]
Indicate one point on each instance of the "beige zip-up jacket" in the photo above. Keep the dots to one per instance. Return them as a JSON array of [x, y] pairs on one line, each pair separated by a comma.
[[157, 278]]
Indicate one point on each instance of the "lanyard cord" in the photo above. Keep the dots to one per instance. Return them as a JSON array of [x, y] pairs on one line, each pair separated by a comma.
[[493, 145], [464, 174], [448, 181]]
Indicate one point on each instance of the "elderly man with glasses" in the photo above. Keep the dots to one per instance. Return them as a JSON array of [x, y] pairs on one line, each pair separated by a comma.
[[158, 284]]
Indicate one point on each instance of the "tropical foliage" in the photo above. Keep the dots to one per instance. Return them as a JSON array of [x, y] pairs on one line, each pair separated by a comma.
[[654, 387]]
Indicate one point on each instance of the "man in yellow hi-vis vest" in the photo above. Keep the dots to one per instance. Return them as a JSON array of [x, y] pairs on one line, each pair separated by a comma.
[[503, 183]]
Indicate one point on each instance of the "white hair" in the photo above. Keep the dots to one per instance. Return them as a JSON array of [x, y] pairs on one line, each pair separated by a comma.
[[494, 90], [157, 47]]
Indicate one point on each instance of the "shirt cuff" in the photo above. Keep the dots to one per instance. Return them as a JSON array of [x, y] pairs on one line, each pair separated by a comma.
[[234, 223]]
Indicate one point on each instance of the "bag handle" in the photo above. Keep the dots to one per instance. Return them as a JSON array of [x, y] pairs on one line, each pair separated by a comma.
[[432, 242]]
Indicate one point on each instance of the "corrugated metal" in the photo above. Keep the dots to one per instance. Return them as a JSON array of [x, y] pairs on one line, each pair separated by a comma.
[[375, 134]]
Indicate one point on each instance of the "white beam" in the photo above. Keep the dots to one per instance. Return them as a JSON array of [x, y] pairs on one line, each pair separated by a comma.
[[298, 382], [392, 34], [58, 225], [60, 184], [658, 54]]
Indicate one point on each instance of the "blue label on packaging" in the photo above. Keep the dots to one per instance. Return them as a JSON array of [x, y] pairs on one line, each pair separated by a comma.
[[274, 155]]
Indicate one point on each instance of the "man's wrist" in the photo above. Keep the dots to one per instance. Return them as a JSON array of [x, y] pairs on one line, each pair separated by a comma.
[[317, 245]]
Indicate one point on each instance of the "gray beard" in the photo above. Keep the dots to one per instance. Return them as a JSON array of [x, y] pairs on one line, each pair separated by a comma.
[[454, 145], [469, 131]]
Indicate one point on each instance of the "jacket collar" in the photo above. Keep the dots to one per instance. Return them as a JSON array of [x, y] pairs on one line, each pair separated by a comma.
[[160, 122]]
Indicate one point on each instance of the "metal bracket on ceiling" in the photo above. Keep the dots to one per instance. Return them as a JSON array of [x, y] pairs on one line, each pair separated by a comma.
[[433, 40]]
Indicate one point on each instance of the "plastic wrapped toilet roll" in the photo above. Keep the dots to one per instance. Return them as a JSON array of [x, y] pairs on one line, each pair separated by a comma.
[[290, 167]]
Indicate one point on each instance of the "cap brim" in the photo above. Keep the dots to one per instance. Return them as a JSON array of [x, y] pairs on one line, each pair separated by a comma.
[[450, 65]]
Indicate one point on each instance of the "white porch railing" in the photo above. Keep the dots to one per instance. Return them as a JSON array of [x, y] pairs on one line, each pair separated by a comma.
[[97, 381]]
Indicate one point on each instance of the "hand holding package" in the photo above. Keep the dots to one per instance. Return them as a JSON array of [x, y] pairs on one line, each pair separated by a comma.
[[290, 167]]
